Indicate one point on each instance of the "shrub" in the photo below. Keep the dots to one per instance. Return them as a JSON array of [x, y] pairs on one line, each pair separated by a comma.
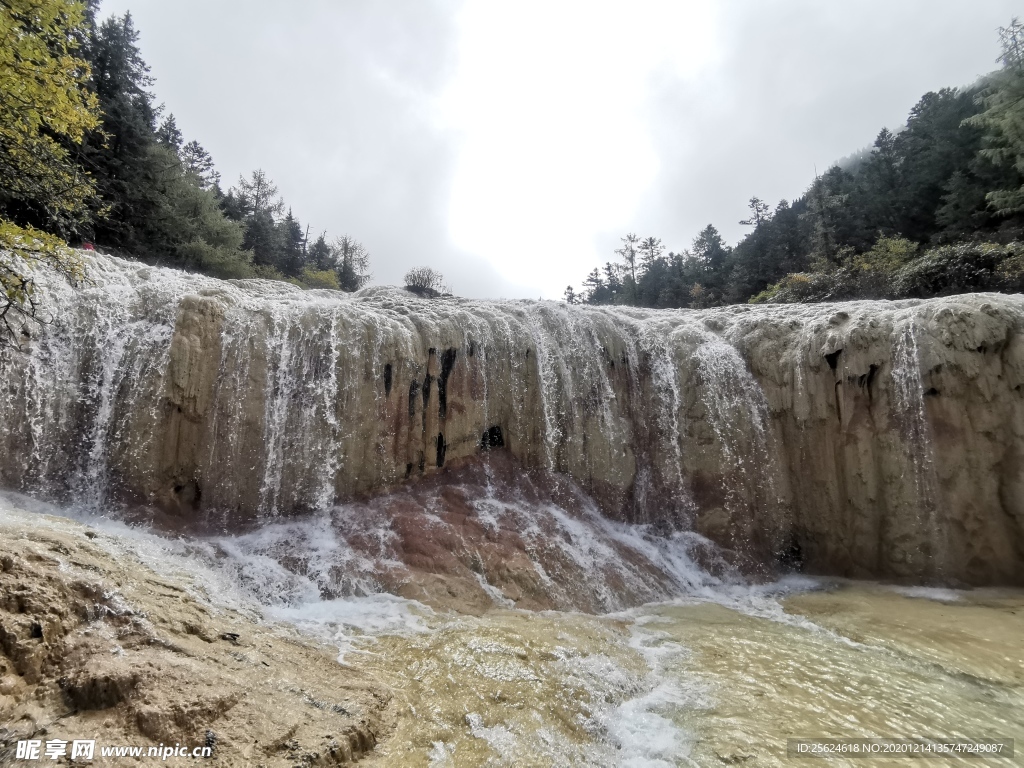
[[425, 281]]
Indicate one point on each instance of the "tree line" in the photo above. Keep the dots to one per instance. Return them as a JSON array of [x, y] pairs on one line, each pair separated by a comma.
[[88, 156], [934, 208]]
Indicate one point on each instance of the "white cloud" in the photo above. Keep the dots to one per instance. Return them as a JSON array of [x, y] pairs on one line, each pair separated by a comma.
[[549, 101], [510, 144]]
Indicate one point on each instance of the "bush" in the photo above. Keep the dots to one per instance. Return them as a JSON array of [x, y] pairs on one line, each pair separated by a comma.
[[426, 281], [325, 278], [961, 268], [894, 269]]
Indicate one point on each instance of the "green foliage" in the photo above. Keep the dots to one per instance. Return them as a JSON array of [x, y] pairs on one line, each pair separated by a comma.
[[148, 193], [119, 153], [323, 278], [351, 264], [885, 222], [895, 269], [187, 229], [961, 268], [1003, 121], [44, 112]]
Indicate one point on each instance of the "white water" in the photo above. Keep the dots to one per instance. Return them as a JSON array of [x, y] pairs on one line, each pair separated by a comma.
[[288, 426], [289, 572], [294, 401], [721, 672], [657, 388]]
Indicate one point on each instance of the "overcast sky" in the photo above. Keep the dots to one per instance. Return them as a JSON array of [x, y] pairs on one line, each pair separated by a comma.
[[510, 144]]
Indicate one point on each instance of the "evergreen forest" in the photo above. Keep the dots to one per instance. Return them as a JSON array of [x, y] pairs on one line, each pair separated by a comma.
[[935, 207], [88, 157]]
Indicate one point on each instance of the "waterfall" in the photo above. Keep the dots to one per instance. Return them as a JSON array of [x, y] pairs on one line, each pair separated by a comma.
[[908, 390], [235, 403]]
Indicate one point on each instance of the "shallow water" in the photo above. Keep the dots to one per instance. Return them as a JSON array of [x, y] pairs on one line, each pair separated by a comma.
[[707, 683], [720, 677]]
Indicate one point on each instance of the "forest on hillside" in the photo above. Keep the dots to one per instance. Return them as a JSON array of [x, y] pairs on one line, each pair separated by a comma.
[[90, 158], [934, 208]]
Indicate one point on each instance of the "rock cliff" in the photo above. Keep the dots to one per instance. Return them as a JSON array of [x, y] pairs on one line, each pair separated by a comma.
[[877, 439]]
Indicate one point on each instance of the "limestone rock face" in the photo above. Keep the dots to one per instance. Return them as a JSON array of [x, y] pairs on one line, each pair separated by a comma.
[[879, 439], [94, 644]]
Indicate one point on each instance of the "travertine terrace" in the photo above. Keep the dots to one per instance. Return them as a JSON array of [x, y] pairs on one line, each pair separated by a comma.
[[864, 439]]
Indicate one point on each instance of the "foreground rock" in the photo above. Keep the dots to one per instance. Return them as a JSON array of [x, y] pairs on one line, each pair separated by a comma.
[[94, 646], [881, 439]]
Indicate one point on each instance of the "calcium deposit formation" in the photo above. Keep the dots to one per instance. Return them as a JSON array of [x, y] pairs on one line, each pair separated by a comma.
[[864, 439]]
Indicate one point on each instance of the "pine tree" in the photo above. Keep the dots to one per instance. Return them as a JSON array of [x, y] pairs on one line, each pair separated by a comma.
[[1003, 120], [169, 135], [650, 249], [290, 258], [255, 202], [197, 163], [119, 155], [628, 254], [258, 196], [352, 265]]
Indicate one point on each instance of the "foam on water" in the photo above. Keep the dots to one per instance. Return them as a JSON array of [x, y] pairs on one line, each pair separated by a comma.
[[938, 594], [287, 571], [641, 727]]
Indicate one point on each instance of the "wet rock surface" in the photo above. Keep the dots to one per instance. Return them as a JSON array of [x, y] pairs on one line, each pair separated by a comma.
[[486, 533], [881, 439], [96, 645]]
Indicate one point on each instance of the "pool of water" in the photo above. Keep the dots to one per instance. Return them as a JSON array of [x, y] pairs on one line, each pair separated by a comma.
[[702, 682]]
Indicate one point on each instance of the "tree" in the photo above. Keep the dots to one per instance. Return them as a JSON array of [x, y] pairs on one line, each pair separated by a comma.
[[425, 281], [44, 110], [709, 249], [291, 255], [759, 213], [570, 295], [353, 262], [319, 254], [255, 202], [650, 249], [593, 287], [169, 135], [1003, 120], [118, 155], [628, 254], [258, 196], [198, 164], [1011, 42]]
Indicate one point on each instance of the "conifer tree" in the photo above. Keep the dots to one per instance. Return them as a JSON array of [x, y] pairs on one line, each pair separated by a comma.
[[1003, 120], [197, 163]]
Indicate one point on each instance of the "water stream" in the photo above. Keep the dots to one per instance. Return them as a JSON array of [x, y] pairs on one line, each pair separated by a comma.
[[554, 595]]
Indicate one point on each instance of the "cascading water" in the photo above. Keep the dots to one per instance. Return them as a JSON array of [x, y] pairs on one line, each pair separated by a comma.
[[911, 416], [228, 404], [342, 462], [285, 382]]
